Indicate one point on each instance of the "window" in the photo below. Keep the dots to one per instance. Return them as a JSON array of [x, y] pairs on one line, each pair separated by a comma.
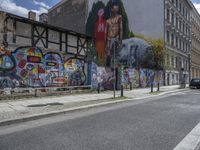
[[177, 3], [168, 16], [177, 22], [172, 61], [180, 44], [180, 24], [168, 38], [172, 39], [172, 19], [177, 42]]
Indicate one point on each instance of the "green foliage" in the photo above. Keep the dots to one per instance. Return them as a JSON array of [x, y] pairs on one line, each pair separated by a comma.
[[131, 34], [148, 60], [159, 51]]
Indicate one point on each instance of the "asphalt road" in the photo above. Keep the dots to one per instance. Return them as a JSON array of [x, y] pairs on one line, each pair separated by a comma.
[[150, 124]]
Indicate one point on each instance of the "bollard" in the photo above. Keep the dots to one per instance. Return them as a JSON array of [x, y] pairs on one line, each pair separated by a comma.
[[131, 86], [98, 88], [158, 87], [151, 87], [35, 92], [122, 91]]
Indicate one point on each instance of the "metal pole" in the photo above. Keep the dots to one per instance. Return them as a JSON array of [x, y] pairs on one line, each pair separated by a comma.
[[122, 91], [114, 74], [158, 87], [98, 88], [131, 86], [151, 87]]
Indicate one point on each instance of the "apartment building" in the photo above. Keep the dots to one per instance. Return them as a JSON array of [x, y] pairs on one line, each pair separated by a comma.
[[177, 39], [195, 50]]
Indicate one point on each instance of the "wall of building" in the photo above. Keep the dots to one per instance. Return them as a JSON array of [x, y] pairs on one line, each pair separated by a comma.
[[177, 39], [70, 15], [146, 17], [195, 51], [126, 76], [40, 56]]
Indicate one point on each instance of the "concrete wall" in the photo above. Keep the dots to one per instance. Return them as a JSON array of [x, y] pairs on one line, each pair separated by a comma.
[[146, 17]]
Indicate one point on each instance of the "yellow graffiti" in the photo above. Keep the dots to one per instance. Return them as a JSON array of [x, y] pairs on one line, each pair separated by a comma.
[[2, 50]]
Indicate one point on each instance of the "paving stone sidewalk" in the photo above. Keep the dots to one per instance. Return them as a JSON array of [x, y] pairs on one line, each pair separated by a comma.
[[14, 109]]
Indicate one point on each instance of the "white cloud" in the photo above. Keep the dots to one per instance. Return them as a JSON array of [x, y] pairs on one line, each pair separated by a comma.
[[10, 6], [197, 5], [41, 4]]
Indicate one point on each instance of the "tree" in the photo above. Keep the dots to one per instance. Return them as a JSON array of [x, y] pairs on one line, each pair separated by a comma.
[[159, 51]]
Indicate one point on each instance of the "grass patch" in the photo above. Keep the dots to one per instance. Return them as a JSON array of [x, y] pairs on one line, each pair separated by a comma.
[[155, 93], [120, 98]]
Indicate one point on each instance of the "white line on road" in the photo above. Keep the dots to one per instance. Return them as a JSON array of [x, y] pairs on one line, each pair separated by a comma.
[[191, 141]]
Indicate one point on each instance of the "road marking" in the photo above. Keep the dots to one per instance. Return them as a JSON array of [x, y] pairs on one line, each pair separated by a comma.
[[191, 141]]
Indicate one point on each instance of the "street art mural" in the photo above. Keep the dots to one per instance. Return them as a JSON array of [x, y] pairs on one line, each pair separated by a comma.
[[108, 24], [92, 75], [134, 52], [30, 67], [74, 71], [105, 77], [128, 75]]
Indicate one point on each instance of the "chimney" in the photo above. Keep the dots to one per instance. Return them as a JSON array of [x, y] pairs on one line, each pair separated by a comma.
[[32, 15], [43, 18]]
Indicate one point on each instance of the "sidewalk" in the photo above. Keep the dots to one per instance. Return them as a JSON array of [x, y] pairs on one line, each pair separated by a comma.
[[19, 110]]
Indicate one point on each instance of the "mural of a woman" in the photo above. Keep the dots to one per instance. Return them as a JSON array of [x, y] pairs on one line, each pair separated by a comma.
[[100, 29]]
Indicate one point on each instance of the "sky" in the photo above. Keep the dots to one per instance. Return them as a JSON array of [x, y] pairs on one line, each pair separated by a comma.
[[22, 7]]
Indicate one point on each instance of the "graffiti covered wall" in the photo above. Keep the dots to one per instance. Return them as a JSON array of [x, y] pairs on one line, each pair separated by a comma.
[[30, 67], [138, 78]]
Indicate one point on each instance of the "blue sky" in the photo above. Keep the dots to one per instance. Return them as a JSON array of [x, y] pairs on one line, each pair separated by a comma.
[[21, 7]]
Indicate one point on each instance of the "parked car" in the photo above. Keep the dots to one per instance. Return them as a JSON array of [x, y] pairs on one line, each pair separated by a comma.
[[195, 83]]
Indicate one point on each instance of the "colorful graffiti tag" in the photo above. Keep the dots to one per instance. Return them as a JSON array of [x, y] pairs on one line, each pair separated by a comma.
[[138, 78], [74, 71], [29, 67], [105, 77]]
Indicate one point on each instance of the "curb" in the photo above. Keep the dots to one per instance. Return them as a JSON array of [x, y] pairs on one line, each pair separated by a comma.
[[58, 112], [54, 113]]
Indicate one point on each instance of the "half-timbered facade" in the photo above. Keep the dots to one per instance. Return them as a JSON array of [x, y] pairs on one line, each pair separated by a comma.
[[37, 54]]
